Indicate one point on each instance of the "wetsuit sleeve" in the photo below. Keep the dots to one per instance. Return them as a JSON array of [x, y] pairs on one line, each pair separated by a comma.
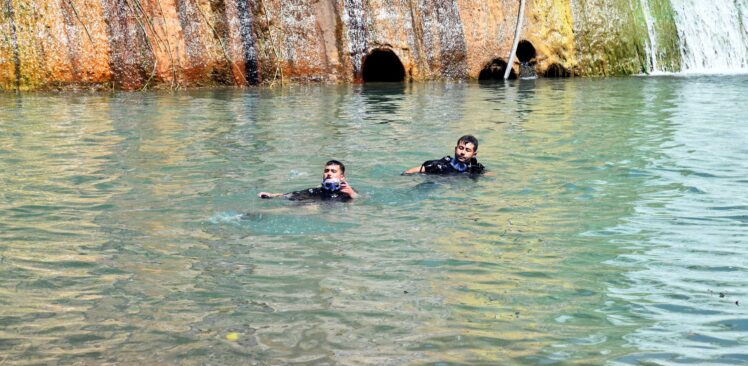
[[430, 166], [434, 166], [303, 194], [477, 168]]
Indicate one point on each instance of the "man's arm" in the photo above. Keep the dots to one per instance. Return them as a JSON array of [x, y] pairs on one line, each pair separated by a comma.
[[270, 195], [429, 167], [414, 170]]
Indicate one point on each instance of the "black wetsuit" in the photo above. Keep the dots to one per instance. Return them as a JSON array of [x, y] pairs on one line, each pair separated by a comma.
[[319, 194], [448, 165]]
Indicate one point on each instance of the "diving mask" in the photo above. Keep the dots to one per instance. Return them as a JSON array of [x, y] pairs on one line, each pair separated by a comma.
[[458, 165], [332, 184]]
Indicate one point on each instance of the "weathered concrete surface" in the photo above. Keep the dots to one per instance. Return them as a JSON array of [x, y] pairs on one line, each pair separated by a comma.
[[52, 43], [610, 37], [133, 44], [550, 29]]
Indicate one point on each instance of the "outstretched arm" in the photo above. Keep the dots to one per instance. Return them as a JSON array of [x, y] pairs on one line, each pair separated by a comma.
[[414, 170], [270, 195]]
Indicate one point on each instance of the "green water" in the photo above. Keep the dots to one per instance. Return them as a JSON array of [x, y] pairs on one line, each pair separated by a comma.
[[612, 228]]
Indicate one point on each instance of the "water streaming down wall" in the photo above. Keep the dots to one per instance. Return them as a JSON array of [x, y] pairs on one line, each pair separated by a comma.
[[651, 43], [713, 35], [133, 44], [661, 41]]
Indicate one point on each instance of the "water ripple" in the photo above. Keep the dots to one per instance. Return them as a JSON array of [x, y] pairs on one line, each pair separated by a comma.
[[611, 228]]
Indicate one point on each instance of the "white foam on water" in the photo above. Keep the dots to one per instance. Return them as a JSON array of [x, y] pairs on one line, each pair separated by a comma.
[[227, 217], [689, 73], [736, 71]]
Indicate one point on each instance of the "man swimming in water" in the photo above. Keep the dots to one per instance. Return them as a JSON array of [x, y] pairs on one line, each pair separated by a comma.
[[334, 187], [464, 161]]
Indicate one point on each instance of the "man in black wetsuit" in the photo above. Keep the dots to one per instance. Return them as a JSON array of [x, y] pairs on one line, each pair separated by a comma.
[[464, 161], [334, 187]]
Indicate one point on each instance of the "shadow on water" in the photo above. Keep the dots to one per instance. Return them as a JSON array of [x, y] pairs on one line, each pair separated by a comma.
[[515, 98], [382, 99]]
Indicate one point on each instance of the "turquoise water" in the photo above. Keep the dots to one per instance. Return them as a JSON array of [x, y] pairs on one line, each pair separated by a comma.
[[613, 227]]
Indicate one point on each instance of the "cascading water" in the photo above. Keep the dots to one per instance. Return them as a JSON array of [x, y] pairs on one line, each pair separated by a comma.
[[713, 35], [652, 43]]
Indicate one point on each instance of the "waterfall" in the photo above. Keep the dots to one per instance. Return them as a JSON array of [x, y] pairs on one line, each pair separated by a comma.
[[713, 35], [652, 43]]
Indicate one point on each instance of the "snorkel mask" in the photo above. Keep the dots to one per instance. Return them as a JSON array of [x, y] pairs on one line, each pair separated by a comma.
[[331, 184], [458, 165]]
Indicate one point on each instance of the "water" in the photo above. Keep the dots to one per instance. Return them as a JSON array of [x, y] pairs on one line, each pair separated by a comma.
[[713, 35], [612, 228], [651, 43]]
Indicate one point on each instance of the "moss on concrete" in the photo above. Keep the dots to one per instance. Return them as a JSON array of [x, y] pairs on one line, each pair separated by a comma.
[[609, 37], [667, 53]]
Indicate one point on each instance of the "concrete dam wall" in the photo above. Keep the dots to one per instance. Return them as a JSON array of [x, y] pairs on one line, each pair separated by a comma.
[[136, 44]]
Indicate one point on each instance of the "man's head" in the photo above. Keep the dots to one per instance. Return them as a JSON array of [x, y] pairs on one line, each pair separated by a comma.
[[466, 149], [333, 169]]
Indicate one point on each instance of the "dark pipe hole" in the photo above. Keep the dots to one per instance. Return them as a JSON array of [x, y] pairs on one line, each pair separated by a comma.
[[495, 71], [556, 71], [525, 51], [383, 65]]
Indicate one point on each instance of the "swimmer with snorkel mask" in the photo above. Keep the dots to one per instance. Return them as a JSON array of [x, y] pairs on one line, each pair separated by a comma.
[[334, 187], [464, 161]]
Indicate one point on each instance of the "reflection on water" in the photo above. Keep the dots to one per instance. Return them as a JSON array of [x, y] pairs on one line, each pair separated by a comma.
[[612, 227]]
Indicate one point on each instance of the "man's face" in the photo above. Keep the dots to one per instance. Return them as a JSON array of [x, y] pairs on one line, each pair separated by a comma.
[[465, 151], [332, 171]]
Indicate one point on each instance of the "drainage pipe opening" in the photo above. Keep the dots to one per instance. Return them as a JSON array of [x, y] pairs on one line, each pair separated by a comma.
[[382, 65], [556, 71], [495, 71], [525, 51]]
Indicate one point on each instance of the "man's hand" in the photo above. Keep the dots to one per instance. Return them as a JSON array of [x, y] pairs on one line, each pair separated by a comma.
[[345, 188]]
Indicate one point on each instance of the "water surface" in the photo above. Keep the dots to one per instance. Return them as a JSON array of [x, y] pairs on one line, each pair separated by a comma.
[[612, 228]]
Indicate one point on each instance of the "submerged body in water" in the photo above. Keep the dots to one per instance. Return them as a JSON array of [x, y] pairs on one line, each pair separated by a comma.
[[334, 187], [319, 194], [450, 165], [465, 160]]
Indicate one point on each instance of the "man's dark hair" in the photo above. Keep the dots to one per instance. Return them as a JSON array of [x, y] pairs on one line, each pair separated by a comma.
[[469, 139], [335, 162]]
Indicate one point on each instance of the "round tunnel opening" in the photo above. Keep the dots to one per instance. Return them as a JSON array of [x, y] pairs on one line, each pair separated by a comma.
[[525, 51], [383, 65], [495, 71], [557, 71]]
